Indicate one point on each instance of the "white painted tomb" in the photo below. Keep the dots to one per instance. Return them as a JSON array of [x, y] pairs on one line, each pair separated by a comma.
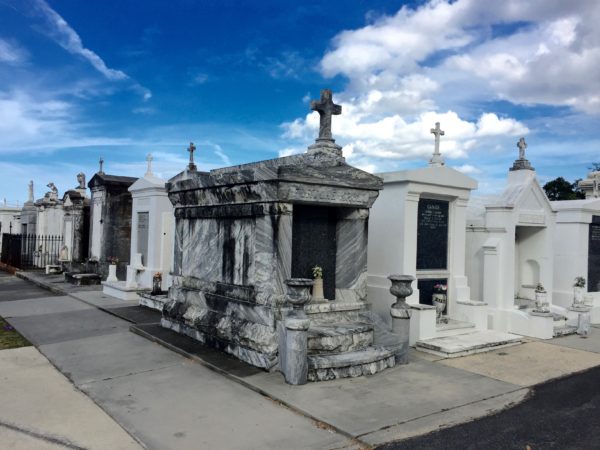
[[9, 219], [151, 249], [418, 228], [510, 250], [577, 248]]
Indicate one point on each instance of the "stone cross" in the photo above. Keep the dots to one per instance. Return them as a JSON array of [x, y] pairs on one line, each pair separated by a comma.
[[326, 108], [101, 162], [30, 191], [522, 146], [149, 160], [436, 159], [191, 149]]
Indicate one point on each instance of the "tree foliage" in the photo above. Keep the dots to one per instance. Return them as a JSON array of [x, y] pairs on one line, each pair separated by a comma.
[[561, 189]]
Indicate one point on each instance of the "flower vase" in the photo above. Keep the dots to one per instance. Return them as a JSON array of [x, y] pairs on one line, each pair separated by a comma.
[[578, 296], [439, 301], [112, 273], [317, 291], [541, 305], [156, 286]]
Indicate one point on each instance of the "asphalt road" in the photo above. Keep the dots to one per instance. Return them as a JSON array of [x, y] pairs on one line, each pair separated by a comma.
[[561, 414]]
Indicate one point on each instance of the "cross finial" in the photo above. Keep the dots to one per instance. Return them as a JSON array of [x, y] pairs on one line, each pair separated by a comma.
[[149, 160], [326, 108], [436, 159], [191, 149], [101, 162], [522, 146]]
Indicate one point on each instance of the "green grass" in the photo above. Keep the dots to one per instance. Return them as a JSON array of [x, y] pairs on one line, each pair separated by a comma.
[[9, 337]]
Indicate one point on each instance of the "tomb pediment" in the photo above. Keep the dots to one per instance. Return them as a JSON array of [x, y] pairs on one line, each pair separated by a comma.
[[102, 179]]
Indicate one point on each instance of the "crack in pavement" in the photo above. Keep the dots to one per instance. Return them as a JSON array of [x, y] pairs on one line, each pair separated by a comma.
[[44, 437]]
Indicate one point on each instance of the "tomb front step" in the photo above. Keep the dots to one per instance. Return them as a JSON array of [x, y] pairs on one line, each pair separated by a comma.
[[334, 312], [453, 328], [328, 338], [82, 279], [153, 301], [368, 361], [564, 331], [467, 343]]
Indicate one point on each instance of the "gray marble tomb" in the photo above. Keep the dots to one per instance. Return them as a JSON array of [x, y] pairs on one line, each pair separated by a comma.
[[242, 231]]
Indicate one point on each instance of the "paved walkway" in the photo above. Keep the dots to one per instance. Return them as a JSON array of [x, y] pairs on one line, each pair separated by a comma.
[[168, 401]]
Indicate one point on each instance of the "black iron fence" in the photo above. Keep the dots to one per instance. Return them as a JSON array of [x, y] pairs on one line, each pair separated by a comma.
[[30, 251]]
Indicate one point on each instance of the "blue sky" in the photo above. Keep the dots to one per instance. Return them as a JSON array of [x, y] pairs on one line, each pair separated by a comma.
[[119, 79]]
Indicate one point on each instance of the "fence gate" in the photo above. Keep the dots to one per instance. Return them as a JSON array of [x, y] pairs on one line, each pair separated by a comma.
[[30, 251]]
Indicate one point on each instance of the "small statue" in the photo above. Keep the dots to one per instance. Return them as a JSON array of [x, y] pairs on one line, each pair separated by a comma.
[[53, 194], [64, 253], [81, 180]]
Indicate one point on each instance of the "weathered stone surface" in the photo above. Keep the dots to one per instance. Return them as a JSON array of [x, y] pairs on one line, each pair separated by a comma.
[[339, 337]]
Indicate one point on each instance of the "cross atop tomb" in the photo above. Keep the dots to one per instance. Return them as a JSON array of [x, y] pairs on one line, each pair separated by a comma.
[[522, 146], [521, 163], [326, 108], [149, 161], [436, 159], [191, 149], [101, 162]]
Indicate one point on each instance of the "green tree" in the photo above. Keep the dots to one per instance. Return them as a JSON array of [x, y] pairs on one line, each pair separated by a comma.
[[561, 189]]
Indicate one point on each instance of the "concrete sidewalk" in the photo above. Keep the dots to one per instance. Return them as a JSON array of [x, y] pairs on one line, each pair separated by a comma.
[[167, 401]]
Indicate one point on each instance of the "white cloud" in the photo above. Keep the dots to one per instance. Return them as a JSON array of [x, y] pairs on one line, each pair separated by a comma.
[[221, 154], [64, 35], [12, 53]]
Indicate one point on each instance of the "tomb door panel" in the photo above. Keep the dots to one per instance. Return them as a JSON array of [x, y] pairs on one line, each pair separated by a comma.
[[314, 244], [594, 255], [432, 235], [142, 235]]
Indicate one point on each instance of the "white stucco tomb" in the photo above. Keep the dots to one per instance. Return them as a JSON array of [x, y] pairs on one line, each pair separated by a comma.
[[152, 224], [418, 228], [510, 251]]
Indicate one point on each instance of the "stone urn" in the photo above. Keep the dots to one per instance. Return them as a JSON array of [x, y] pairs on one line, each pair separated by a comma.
[[298, 294], [112, 273], [401, 288]]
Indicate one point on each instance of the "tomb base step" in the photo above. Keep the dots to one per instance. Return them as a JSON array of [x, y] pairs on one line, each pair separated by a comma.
[[119, 289], [153, 301], [453, 328], [327, 338], [82, 279], [564, 331], [467, 343], [350, 364], [334, 312]]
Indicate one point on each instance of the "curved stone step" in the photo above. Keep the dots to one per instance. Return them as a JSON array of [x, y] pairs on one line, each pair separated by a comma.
[[368, 361], [341, 337]]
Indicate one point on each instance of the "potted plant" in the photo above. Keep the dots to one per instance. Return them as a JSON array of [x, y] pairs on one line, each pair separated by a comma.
[[540, 298], [317, 289], [112, 269], [439, 299], [578, 290]]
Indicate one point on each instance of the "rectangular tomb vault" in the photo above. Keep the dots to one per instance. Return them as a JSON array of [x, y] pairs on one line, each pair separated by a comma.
[[242, 231]]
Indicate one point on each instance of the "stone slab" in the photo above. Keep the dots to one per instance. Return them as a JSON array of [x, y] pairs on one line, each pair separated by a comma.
[[119, 290], [109, 356], [367, 404], [101, 300], [136, 314], [48, 411], [189, 406], [527, 364], [60, 327], [468, 343], [589, 343], [40, 305]]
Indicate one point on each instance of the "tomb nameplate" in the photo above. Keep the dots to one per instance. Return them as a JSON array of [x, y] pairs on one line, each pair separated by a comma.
[[314, 244], [594, 255], [142, 236], [432, 234]]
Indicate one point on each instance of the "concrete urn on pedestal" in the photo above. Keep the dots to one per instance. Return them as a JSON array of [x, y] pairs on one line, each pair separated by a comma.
[[400, 312]]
